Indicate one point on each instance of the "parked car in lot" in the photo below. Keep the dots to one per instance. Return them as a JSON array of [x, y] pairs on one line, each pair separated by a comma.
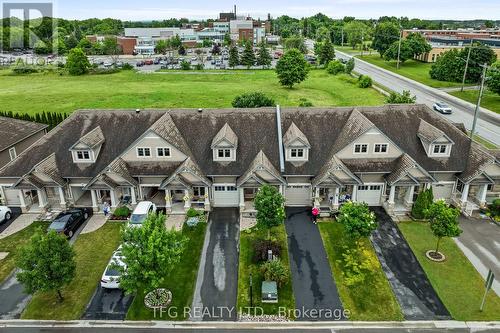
[[111, 277], [68, 222], [442, 107], [141, 212], [148, 62], [139, 64], [5, 214]]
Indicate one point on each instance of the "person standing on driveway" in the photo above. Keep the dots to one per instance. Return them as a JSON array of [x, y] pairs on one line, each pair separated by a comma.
[[315, 213]]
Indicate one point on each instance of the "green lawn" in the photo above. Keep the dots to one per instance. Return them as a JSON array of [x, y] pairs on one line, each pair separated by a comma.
[[490, 100], [181, 281], [128, 89], [371, 300], [93, 252], [412, 69], [13, 243], [456, 281], [248, 266]]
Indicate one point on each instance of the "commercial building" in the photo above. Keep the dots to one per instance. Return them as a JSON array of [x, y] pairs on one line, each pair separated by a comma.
[[188, 158]]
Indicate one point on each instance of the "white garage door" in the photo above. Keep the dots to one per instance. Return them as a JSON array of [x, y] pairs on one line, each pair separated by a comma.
[[369, 194], [298, 195], [442, 191], [226, 196], [12, 197]]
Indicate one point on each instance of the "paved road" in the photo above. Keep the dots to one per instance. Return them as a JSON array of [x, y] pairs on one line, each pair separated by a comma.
[[12, 296], [217, 282], [480, 242], [410, 284], [488, 125], [313, 283]]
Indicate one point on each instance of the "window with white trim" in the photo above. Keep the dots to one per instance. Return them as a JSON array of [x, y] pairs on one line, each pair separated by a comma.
[[224, 154], [82, 155], [219, 188], [361, 148], [232, 188], [440, 149], [12, 153], [143, 152], [198, 191], [297, 152], [162, 152], [380, 148]]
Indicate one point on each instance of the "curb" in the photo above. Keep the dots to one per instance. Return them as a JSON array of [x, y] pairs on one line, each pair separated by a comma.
[[485, 114]]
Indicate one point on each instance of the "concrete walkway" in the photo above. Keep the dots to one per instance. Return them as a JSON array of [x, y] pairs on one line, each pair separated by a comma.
[[175, 222], [217, 281], [410, 284], [21, 222], [480, 242], [313, 283], [94, 223]]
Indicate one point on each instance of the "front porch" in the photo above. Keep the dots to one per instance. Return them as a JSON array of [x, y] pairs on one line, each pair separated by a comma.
[[470, 197], [401, 198]]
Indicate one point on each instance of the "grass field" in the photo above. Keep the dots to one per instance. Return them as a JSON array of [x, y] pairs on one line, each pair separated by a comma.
[[371, 300], [490, 100], [128, 89], [412, 69], [13, 243], [456, 281], [248, 266], [181, 281], [93, 251]]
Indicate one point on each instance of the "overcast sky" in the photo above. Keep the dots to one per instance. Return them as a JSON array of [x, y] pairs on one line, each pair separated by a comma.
[[202, 9]]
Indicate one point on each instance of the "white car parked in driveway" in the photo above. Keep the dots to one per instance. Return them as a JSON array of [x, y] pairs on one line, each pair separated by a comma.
[[141, 212], [111, 277], [5, 214], [442, 107]]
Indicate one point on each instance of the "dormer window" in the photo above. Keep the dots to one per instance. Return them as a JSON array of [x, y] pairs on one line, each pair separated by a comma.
[[297, 145], [380, 148], [440, 150], [435, 142], [224, 145], [297, 154], [82, 156], [361, 148], [224, 154], [87, 148]]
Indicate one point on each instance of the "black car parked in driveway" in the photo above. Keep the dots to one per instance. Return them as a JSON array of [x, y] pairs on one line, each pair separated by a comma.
[[69, 221]]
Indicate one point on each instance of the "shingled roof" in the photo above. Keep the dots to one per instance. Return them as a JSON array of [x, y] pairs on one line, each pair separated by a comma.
[[294, 133], [188, 166], [260, 162], [225, 133], [13, 131], [428, 132], [166, 128], [93, 138], [476, 162], [356, 125], [49, 167], [402, 167]]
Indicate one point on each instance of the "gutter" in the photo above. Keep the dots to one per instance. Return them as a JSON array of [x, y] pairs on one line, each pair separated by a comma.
[[280, 139]]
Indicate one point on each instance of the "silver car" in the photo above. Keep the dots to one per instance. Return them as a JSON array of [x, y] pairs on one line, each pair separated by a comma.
[[442, 107], [5, 214]]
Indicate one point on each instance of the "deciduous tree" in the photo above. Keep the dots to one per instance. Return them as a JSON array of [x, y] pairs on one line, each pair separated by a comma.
[[77, 62], [269, 204], [443, 221], [357, 219], [292, 68]]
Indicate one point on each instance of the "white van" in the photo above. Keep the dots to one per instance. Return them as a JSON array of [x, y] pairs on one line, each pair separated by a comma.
[[141, 212]]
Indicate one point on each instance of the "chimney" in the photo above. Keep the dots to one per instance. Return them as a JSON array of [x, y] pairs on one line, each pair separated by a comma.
[[235, 12]]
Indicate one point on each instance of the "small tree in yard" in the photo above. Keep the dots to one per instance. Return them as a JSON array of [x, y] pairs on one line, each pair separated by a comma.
[[275, 270], [443, 222], [357, 219], [349, 66], [335, 67], [424, 200], [404, 98], [248, 57], [150, 253], [269, 203], [292, 68], [77, 62], [47, 263]]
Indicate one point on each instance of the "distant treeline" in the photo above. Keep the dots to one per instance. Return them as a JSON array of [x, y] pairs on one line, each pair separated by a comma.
[[50, 118]]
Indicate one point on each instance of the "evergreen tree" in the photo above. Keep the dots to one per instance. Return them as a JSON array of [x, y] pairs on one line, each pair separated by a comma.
[[423, 202], [248, 56], [264, 58], [233, 57]]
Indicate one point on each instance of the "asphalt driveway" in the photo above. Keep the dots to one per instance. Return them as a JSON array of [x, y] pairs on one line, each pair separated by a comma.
[[108, 304], [410, 284], [217, 282], [313, 283]]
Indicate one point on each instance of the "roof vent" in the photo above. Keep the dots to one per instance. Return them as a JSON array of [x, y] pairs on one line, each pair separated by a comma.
[[137, 111], [200, 110]]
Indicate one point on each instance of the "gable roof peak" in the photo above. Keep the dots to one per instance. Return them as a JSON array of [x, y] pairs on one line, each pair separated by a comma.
[[92, 139], [429, 132], [225, 133], [293, 133], [167, 130]]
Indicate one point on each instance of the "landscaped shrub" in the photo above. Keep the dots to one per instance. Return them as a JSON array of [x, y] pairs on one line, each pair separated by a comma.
[[357, 219], [122, 211], [100, 71], [275, 270], [252, 100], [349, 66], [364, 81], [185, 66], [397, 98], [335, 67], [304, 102], [423, 202], [199, 67], [127, 67], [192, 212], [357, 264], [24, 69], [494, 209], [261, 247]]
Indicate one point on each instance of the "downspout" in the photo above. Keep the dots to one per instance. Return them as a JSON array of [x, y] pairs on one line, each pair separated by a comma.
[[280, 139]]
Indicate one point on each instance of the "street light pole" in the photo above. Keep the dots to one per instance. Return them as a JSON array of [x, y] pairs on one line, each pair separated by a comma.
[[476, 111], [399, 46], [466, 66]]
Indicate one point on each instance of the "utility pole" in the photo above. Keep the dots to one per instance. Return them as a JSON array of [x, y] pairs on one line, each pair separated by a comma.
[[476, 111], [399, 46], [342, 43], [466, 66]]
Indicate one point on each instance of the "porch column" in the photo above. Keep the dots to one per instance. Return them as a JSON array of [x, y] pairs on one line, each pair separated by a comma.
[[207, 199], [41, 198], [281, 187], [61, 196], [465, 194], [392, 194], [168, 201], [132, 194], [354, 193], [409, 195], [481, 195], [2, 194], [242, 198], [187, 200], [95, 207], [113, 198], [316, 197], [21, 200], [336, 198]]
